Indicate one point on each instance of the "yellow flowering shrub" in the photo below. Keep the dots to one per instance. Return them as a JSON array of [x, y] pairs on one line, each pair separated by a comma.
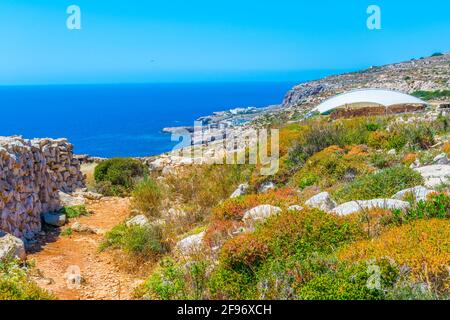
[[446, 148], [423, 246], [332, 165]]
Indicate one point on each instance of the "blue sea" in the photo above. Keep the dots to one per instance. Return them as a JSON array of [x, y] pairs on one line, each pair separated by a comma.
[[123, 120]]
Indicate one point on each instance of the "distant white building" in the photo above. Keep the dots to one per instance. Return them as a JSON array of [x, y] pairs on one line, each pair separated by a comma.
[[368, 97]]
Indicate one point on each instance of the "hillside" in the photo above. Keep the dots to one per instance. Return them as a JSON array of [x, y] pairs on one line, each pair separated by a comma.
[[359, 208], [428, 74]]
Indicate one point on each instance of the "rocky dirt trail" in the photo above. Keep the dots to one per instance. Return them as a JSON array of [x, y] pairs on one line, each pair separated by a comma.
[[57, 255]]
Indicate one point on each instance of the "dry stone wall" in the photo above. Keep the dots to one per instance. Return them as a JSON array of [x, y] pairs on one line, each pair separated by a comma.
[[31, 174]]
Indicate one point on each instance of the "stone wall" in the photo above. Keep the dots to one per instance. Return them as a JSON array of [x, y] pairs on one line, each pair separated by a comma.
[[31, 174]]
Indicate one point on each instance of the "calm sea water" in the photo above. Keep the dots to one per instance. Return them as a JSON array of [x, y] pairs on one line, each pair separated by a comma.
[[122, 120]]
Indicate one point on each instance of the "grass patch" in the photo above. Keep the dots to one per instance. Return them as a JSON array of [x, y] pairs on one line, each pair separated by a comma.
[[67, 232], [147, 197], [382, 184], [75, 211], [143, 242]]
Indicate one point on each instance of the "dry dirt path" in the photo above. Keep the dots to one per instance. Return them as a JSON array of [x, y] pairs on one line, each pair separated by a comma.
[[54, 255]]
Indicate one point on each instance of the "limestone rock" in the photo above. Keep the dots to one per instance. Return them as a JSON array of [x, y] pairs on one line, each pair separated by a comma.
[[240, 191], [322, 201], [89, 195], [357, 206], [419, 193], [435, 175], [441, 159], [82, 228], [295, 208], [260, 213], [191, 243], [11, 247], [139, 220], [68, 200], [54, 219], [266, 187]]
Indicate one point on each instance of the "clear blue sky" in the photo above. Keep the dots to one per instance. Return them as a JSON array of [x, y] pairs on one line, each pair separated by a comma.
[[210, 40]]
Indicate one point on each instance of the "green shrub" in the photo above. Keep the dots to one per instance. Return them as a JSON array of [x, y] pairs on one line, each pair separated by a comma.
[[352, 282], [282, 250], [227, 284], [382, 160], [173, 281], [67, 232], [333, 165], [15, 283], [145, 242], [321, 135], [119, 175], [406, 290], [430, 95], [382, 184], [280, 278], [438, 206], [75, 211], [147, 197]]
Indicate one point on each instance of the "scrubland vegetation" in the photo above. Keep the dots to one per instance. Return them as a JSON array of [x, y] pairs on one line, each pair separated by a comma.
[[306, 254], [430, 95], [16, 284]]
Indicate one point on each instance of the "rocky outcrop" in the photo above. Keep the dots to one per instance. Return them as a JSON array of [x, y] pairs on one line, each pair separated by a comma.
[[406, 77], [322, 201], [435, 175], [11, 247], [358, 206], [32, 172]]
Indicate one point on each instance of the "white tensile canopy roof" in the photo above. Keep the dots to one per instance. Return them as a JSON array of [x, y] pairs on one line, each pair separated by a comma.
[[373, 96]]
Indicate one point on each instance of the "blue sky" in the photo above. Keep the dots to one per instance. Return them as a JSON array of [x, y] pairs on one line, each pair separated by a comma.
[[213, 40]]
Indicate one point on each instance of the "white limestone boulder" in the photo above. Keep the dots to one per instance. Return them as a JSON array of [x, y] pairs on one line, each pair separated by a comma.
[[266, 187], [260, 213], [11, 247], [441, 159], [240, 191], [419, 193], [190, 244], [89, 195], [82, 228], [67, 200], [321, 201], [139, 220], [361, 205], [435, 175]]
